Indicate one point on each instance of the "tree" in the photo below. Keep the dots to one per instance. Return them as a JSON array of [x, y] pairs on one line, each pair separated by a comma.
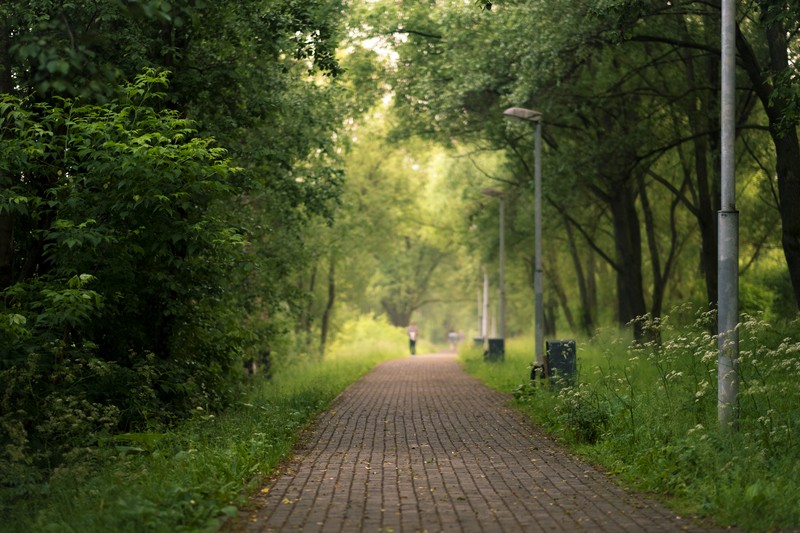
[[124, 278], [774, 77], [138, 254], [388, 215], [628, 92]]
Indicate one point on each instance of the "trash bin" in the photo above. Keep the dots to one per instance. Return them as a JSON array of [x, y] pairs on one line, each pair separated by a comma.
[[562, 366], [477, 342], [496, 351]]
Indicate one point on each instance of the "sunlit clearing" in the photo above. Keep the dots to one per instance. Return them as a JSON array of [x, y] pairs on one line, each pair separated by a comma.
[[368, 337]]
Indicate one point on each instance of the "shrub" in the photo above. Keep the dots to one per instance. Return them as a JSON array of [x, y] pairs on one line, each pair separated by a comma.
[[131, 195]]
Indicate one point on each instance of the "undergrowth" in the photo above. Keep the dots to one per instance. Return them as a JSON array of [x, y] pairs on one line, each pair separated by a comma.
[[192, 477], [647, 412]]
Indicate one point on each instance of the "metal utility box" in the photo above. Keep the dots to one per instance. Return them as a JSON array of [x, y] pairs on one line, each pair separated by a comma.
[[496, 351], [562, 365]]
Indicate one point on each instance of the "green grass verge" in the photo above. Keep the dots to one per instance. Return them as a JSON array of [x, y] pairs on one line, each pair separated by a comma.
[[188, 479], [647, 413]]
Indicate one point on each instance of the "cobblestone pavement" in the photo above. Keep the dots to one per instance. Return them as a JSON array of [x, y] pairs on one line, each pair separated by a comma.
[[419, 446]]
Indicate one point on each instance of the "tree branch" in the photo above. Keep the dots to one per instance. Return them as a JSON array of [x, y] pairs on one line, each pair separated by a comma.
[[586, 236], [674, 42], [416, 32]]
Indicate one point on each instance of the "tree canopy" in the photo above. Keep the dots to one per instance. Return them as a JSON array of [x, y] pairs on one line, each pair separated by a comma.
[[629, 96], [161, 164], [189, 185]]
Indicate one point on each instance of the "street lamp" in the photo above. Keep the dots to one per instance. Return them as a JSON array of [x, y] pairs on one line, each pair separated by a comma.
[[483, 312], [485, 319], [497, 349], [728, 233], [530, 115]]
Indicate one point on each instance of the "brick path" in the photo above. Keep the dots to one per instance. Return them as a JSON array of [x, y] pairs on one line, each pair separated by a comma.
[[419, 446]]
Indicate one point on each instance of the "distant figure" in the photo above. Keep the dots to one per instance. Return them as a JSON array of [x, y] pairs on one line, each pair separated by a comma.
[[453, 338], [413, 333]]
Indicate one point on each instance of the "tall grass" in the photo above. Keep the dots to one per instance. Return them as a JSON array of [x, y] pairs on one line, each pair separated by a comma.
[[190, 478], [370, 337], [647, 412]]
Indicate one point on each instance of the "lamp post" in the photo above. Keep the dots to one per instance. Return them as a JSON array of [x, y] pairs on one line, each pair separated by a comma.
[[728, 233], [485, 321], [483, 312], [530, 115], [497, 348]]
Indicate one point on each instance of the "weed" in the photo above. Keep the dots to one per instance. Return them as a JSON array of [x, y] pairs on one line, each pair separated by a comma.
[[647, 412], [193, 476]]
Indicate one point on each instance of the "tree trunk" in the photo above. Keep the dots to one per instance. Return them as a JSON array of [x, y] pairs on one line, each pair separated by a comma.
[[659, 281], [326, 315], [628, 243], [591, 289], [563, 301], [788, 170], [783, 132], [7, 219], [708, 186], [787, 152], [586, 315], [306, 320], [550, 311], [661, 267]]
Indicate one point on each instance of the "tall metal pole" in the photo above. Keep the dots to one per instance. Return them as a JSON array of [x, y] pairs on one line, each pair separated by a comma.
[[501, 280], [537, 270], [497, 342], [728, 234], [530, 115], [485, 325], [480, 314]]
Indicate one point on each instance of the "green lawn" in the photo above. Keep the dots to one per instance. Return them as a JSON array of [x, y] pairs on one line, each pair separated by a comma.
[[648, 414], [188, 479]]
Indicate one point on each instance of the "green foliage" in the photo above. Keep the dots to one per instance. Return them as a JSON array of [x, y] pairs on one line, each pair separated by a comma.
[[143, 264], [629, 163], [648, 413], [368, 336], [196, 475], [131, 195], [83, 47], [768, 292], [395, 240]]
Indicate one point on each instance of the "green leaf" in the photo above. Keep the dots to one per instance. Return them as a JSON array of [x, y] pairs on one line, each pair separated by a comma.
[[17, 320]]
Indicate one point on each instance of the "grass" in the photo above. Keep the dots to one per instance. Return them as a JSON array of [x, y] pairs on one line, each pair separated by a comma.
[[647, 413], [191, 478]]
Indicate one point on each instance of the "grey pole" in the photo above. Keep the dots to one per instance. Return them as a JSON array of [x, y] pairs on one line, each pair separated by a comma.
[[501, 302], [728, 234], [537, 271], [485, 325], [501, 280], [535, 116], [480, 315]]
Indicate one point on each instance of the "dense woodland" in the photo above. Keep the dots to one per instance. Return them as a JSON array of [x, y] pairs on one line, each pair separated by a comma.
[[189, 185]]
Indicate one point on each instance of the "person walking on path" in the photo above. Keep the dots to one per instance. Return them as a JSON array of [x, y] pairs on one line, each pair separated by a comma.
[[413, 332], [453, 338], [418, 445]]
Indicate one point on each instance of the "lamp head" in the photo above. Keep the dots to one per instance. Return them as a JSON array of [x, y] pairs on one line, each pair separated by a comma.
[[523, 114]]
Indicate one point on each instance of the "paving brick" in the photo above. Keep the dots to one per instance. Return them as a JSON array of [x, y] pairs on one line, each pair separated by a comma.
[[419, 446]]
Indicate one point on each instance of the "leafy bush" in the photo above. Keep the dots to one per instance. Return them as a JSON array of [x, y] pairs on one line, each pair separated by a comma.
[[194, 475], [118, 315]]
